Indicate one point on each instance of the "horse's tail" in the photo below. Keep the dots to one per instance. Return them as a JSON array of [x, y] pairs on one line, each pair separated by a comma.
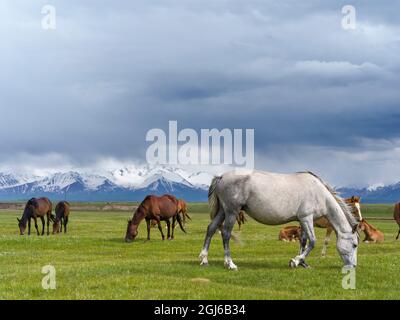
[[213, 203], [342, 204], [178, 217]]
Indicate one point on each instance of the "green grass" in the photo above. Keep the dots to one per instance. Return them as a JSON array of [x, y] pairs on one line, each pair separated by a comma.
[[93, 262]]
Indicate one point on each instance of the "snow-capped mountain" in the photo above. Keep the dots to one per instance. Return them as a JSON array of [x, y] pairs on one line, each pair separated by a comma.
[[377, 193], [125, 184]]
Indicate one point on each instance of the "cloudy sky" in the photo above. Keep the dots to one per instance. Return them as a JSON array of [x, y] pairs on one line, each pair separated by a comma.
[[318, 96]]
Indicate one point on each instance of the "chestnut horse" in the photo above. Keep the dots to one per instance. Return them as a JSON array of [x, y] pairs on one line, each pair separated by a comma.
[[371, 233], [354, 203], [396, 216], [182, 209], [290, 233], [62, 214], [34, 208], [155, 208]]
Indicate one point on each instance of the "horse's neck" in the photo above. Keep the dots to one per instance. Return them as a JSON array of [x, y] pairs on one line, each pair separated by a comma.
[[138, 216]]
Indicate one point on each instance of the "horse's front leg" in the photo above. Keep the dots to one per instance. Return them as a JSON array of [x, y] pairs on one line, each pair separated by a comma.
[[65, 224], [307, 227], [229, 223], [212, 227], [398, 235], [29, 226]]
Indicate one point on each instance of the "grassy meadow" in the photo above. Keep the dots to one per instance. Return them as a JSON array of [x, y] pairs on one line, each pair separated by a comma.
[[93, 262]]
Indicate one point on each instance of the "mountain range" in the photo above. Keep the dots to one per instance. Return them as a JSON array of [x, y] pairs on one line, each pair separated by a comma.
[[134, 183]]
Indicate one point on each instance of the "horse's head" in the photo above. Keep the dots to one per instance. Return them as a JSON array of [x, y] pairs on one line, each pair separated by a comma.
[[56, 226], [347, 245], [354, 202], [131, 231], [21, 226]]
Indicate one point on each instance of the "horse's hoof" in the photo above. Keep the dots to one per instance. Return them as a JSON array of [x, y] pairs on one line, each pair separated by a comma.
[[204, 264], [304, 265], [293, 263]]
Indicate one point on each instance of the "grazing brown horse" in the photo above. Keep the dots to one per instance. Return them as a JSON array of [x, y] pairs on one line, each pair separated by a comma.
[[62, 214], [34, 208], [371, 233], [354, 203], [241, 218], [182, 209], [290, 233], [396, 216], [155, 208]]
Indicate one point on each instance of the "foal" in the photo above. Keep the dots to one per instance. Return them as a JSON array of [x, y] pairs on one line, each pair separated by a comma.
[[62, 214], [371, 233]]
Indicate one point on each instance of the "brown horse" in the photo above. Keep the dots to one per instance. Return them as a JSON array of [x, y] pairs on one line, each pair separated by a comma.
[[182, 209], [241, 218], [155, 208], [290, 233], [371, 233], [396, 216], [34, 208], [354, 203], [62, 214]]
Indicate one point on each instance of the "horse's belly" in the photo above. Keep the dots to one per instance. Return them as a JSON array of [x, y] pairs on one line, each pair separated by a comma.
[[271, 217]]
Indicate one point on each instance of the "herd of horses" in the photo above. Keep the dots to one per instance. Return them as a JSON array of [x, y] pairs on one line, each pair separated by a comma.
[[269, 198]]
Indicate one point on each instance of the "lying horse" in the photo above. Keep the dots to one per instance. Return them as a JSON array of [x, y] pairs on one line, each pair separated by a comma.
[[273, 199], [371, 233], [290, 233], [34, 208], [62, 214], [155, 208], [354, 203], [396, 216]]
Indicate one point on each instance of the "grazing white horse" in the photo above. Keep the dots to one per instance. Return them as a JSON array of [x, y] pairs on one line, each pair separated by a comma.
[[273, 199]]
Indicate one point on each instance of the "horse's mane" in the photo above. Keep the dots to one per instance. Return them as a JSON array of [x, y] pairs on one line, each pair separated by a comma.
[[340, 201], [31, 202]]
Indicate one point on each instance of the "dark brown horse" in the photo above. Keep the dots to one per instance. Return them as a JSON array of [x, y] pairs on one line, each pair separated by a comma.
[[36, 208], [396, 216], [155, 208], [62, 214]]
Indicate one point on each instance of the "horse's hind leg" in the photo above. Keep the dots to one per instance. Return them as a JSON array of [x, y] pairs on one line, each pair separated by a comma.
[[229, 223], [36, 225], [212, 227], [326, 241], [308, 230], [65, 224], [173, 227], [160, 228], [169, 229], [42, 219]]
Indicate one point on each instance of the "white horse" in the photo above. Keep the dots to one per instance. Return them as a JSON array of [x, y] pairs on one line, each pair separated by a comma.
[[273, 199]]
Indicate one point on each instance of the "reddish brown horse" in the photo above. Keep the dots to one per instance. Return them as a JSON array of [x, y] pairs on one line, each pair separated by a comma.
[[155, 208], [62, 214], [396, 217], [183, 210], [36, 208]]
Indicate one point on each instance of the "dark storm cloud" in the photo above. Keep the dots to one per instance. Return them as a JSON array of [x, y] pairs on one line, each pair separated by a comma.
[[93, 87]]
